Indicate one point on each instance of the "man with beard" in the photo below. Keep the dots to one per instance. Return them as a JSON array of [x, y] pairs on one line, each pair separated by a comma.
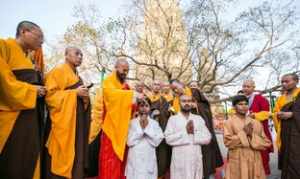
[[212, 157], [287, 124], [186, 132], [21, 106], [112, 112], [69, 110], [160, 112]]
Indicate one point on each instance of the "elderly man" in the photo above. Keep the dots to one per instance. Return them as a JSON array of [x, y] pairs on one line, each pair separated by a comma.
[[68, 102], [20, 119]]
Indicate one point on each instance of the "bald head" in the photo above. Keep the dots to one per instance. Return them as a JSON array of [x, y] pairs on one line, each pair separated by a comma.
[[73, 56], [122, 69], [248, 87], [156, 86], [29, 35], [26, 25]]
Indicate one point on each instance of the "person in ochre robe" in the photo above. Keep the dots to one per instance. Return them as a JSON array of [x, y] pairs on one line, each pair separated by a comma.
[[160, 112], [212, 157], [259, 104], [21, 88], [245, 138], [67, 98], [287, 125], [111, 113]]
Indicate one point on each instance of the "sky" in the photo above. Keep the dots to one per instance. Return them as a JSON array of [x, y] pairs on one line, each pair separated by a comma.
[[55, 16]]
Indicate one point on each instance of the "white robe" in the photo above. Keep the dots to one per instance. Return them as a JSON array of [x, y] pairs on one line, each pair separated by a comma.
[[141, 161], [186, 160]]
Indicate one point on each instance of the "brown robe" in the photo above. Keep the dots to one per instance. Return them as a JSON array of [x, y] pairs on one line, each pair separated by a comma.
[[81, 142], [212, 157], [24, 142], [163, 151], [289, 155], [244, 158]]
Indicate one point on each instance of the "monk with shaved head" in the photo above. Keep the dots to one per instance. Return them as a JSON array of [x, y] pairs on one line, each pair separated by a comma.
[[112, 112], [69, 110], [21, 94]]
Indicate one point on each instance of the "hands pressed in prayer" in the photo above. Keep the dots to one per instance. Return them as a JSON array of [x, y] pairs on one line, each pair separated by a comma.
[[82, 91], [41, 90], [248, 128], [144, 121], [284, 115], [190, 127], [252, 115]]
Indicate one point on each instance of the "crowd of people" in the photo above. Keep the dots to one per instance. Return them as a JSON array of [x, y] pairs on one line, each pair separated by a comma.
[[50, 130]]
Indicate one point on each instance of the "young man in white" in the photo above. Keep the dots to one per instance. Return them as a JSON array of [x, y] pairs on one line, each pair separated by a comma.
[[144, 136], [186, 133]]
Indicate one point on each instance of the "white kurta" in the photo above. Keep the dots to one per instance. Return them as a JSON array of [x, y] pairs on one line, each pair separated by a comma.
[[141, 161], [186, 153]]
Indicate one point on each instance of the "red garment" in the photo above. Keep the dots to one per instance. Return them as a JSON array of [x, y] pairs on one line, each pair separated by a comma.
[[110, 166], [260, 103]]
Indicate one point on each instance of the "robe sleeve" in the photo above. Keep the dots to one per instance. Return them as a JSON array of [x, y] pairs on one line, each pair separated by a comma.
[[259, 141], [97, 115], [264, 109], [176, 137], [232, 140], [296, 112], [201, 135], [135, 134], [154, 133], [14, 94], [62, 106]]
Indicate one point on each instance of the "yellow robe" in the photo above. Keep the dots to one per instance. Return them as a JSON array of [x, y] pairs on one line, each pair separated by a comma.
[[176, 101], [62, 105], [14, 95], [115, 102], [281, 101], [244, 158]]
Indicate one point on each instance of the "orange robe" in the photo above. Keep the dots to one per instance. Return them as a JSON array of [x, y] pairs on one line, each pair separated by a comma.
[[113, 112], [63, 104], [19, 121]]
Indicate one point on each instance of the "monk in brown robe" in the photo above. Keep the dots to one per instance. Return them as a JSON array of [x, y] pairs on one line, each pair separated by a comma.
[[287, 124], [160, 111], [245, 138], [21, 88], [212, 157], [68, 101]]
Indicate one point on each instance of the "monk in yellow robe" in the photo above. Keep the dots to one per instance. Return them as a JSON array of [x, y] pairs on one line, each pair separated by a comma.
[[287, 124], [21, 86], [245, 138], [178, 90], [112, 113], [68, 102]]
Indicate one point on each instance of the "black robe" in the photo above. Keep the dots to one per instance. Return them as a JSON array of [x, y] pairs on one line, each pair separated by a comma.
[[23, 146], [289, 155], [163, 151], [212, 157]]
